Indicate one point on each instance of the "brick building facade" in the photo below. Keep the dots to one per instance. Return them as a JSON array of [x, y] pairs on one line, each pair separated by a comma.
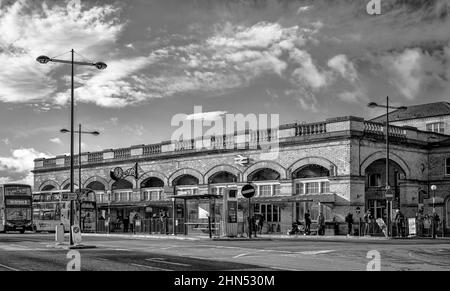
[[332, 167]]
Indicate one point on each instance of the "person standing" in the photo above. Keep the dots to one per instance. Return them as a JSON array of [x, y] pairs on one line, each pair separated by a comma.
[[307, 223], [399, 221], [321, 222], [367, 221], [349, 221]]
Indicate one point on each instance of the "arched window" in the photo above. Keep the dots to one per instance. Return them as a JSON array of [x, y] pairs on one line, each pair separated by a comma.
[[311, 179], [122, 184], [266, 181], [152, 182], [122, 190], [222, 177], [152, 189], [265, 174], [186, 184], [67, 186], [48, 188], [185, 180], [96, 186], [311, 171]]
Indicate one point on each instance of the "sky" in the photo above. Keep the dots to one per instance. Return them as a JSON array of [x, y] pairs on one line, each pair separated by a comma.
[[304, 60]]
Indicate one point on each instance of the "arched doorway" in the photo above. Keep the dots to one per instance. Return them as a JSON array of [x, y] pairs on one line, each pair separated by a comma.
[[267, 182], [375, 187], [311, 179]]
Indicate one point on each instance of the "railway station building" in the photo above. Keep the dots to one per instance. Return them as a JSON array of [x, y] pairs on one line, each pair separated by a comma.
[[333, 167]]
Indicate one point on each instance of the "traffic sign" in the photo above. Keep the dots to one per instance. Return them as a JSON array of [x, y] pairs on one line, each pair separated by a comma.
[[389, 194], [248, 191]]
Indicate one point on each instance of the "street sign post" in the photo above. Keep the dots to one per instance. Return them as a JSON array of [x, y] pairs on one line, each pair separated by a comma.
[[248, 191]]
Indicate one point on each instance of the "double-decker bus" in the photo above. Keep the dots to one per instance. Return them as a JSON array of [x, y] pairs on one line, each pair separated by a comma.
[[15, 207], [52, 208]]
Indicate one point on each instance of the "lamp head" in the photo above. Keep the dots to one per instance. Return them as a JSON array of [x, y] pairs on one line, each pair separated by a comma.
[[100, 65], [372, 105], [402, 108], [95, 133], [43, 59], [64, 130]]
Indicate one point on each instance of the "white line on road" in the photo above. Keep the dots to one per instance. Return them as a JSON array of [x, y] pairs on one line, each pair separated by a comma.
[[150, 267], [9, 268], [284, 269], [244, 254], [160, 260]]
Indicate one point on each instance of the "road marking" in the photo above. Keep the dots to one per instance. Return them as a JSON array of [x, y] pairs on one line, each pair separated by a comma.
[[161, 260], [150, 267], [244, 254], [315, 252], [284, 269], [9, 268]]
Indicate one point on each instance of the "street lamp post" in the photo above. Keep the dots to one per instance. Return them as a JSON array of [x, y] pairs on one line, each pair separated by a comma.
[[98, 65], [80, 132], [388, 203]]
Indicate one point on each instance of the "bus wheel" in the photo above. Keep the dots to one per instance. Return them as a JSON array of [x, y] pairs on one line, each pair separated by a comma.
[[22, 231]]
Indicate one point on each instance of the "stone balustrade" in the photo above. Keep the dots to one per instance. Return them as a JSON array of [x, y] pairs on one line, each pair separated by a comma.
[[242, 140]]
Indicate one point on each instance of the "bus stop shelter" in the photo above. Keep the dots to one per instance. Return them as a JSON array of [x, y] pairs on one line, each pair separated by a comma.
[[205, 219]]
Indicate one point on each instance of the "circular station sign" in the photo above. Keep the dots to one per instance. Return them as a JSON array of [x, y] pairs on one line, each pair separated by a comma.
[[248, 191]]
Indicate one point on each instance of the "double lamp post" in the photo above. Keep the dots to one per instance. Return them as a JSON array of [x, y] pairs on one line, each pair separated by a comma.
[[388, 193], [72, 62]]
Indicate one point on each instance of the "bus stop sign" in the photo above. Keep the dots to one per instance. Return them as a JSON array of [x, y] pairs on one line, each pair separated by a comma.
[[248, 191]]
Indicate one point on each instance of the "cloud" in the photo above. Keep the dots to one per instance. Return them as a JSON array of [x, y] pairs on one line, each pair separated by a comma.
[[29, 29], [211, 116], [405, 70], [21, 160], [344, 67], [308, 72], [117, 86], [5, 141], [56, 140]]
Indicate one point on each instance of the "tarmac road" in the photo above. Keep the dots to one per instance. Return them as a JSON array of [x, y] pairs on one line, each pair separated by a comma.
[[34, 252]]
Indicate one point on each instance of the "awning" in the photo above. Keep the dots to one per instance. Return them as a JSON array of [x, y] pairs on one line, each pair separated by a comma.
[[136, 204], [322, 198], [196, 196]]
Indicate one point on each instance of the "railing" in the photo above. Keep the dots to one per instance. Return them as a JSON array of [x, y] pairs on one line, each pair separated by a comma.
[[122, 153], [379, 129], [151, 150], [310, 129], [184, 145], [95, 157], [50, 163]]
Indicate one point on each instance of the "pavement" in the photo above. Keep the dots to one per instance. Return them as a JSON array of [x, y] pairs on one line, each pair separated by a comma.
[[261, 237], [125, 252]]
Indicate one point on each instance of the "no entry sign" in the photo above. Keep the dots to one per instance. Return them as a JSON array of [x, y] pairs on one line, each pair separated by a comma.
[[248, 191]]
